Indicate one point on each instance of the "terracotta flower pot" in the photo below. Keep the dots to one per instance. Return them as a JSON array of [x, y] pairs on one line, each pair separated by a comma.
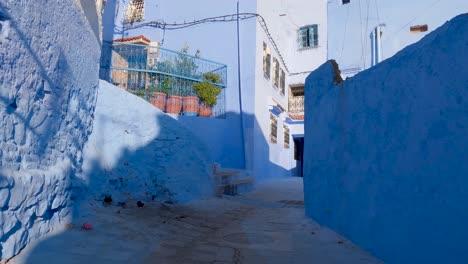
[[158, 100], [205, 111], [190, 105], [174, 104]]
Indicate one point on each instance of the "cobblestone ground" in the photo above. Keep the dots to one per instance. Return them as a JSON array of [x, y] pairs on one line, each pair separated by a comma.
[[265, 226]]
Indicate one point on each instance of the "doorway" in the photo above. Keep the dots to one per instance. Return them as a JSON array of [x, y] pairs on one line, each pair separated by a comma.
[[299, 156]]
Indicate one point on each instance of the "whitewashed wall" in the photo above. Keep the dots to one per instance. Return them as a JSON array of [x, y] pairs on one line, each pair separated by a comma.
[[218, 42], [49, 54], [284, 18], [350, 26]]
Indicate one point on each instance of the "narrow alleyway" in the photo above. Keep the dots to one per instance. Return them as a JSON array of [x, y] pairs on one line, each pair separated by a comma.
[[265, 226]]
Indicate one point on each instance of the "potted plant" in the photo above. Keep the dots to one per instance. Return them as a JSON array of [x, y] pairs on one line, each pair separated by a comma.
[[208, 92], [160, 84], [166, 85], [190, 101], [187, 66], [159, 95], [174, 101]]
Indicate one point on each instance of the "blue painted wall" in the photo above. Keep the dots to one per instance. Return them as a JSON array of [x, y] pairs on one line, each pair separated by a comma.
[[386, 152], [220, 136], [217, 42]]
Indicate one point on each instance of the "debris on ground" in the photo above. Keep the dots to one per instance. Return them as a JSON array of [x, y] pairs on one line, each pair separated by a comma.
[[108, 200], [87, 226]]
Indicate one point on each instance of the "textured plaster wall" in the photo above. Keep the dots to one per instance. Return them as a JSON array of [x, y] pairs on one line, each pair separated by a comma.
[[49, 59], [135, 151], [386, 160]]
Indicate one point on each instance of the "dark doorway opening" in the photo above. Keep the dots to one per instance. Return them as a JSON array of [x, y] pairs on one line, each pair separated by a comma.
[[299, 155]]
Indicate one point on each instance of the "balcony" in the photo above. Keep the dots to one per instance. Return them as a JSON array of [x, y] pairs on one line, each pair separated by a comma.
[[175, 82]]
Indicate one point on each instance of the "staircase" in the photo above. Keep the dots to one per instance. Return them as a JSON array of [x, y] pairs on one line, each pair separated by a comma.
[[231, 181]]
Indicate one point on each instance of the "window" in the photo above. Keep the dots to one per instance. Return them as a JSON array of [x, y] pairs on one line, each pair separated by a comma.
[[276, 72], [296, 99], [266, 60], [134, 11], [282, 81], [344, 2], [308, 37], [286, 136], [273, 129]]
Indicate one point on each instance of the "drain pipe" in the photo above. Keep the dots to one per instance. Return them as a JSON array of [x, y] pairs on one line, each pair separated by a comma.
[[240, 89], [376, 44]]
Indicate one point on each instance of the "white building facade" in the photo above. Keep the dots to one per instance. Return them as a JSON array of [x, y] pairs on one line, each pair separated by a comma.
[[280, 43], [364, 32]]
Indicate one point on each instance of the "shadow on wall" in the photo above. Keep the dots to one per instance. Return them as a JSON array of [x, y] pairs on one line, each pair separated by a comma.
[[129, 160], [169, 167], [44, 119], [386, 151], [38, 116], [90, 10]]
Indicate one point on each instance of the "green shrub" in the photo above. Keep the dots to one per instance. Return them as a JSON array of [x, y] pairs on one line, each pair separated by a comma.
[[140, 93], [212, 77], [207, 92], [166, 85]]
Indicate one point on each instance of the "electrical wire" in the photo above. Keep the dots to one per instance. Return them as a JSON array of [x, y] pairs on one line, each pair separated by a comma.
[[217, 19], [344, 34], [367, 28], [377, 10], [361, 29], [163, 36], [414, 18], [285, 7]]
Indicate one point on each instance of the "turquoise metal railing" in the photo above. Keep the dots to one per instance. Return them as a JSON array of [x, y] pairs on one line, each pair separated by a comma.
[[146, 70]]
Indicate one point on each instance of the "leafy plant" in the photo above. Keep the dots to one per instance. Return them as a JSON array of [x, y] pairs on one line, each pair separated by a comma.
[[140, 93], [184, 64], [165, 85], [212, 77], [164, 82], [206, 90], [165, 66]]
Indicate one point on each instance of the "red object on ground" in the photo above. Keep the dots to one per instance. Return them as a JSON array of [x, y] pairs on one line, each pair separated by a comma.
[[87, 226]]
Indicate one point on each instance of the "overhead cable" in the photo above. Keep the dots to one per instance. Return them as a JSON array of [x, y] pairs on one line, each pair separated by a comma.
[[217, 19]]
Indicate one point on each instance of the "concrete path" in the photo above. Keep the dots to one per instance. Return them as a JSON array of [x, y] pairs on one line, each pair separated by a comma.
[[266, 226]]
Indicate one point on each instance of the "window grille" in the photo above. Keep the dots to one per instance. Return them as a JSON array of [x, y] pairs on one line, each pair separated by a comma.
[[296, 99], [134, 11], [273, 129], [308, 36], [266, 60], [276, 72], [286, 136], [282, 81]]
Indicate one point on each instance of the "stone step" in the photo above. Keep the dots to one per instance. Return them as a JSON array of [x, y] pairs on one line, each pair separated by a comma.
[[231, 181], [235, 187]]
